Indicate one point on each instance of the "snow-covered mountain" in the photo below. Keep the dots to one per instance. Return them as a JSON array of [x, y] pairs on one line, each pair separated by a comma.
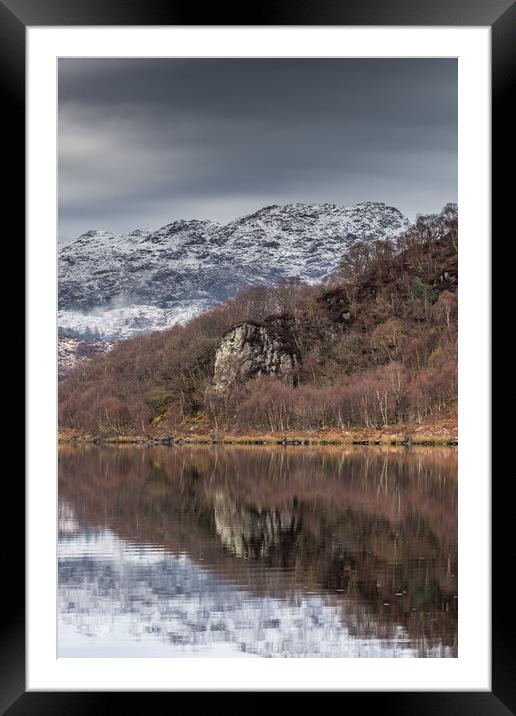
[[124, 284], [121, 599]]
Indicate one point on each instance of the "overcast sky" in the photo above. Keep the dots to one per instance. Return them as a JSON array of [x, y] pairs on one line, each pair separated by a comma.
[[143, 142]]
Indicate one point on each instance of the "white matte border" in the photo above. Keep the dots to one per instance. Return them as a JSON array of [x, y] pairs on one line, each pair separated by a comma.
[[471, 670]]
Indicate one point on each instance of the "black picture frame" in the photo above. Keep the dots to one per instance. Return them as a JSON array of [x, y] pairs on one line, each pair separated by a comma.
[[15, 17]]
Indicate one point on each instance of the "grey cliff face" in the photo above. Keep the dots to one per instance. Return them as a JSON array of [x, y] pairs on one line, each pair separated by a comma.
[[252, 349]]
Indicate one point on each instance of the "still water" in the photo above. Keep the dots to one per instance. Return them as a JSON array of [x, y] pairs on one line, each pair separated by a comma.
[[257, 552]]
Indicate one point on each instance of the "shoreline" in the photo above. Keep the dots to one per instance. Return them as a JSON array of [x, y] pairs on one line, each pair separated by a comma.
[[438, 435]]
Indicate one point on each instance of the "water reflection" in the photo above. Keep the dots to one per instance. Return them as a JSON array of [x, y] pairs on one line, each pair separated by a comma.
[[257, 551]]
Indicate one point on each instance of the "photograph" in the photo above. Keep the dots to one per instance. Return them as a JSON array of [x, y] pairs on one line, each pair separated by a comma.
[[258, 434], [257, 343]]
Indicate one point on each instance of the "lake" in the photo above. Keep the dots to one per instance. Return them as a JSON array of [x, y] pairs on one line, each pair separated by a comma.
[[257, 551]]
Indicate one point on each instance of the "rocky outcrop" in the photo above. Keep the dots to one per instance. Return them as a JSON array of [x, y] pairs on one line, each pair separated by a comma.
[[252, 349]]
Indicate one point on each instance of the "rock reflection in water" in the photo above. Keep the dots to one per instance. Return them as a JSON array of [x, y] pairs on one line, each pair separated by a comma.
[[257, 551], [253, 533]]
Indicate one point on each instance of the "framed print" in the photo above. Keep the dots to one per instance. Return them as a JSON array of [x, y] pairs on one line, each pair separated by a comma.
[[259, 404]]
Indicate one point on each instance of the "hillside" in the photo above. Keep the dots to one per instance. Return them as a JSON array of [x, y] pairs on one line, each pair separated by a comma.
[[373, 345]]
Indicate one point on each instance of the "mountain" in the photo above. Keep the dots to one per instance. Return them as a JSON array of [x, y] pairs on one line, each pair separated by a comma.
[[374, 346], [127, 284]]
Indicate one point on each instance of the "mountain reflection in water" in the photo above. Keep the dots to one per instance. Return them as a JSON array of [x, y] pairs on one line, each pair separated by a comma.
[[212, 551]]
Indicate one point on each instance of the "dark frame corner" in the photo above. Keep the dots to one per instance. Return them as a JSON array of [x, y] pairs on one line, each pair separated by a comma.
[[500, 15]]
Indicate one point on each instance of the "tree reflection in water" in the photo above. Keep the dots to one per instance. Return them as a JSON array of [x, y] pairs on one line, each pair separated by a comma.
[[365, 538]]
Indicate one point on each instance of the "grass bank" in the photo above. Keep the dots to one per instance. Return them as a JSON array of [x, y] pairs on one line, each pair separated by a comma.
[[439, 432]]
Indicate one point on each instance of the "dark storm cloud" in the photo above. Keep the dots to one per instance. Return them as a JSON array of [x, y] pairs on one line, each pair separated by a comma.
[[143, 142]]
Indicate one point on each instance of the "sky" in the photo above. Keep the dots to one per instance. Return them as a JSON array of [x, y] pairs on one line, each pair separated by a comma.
[[142, 142]]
